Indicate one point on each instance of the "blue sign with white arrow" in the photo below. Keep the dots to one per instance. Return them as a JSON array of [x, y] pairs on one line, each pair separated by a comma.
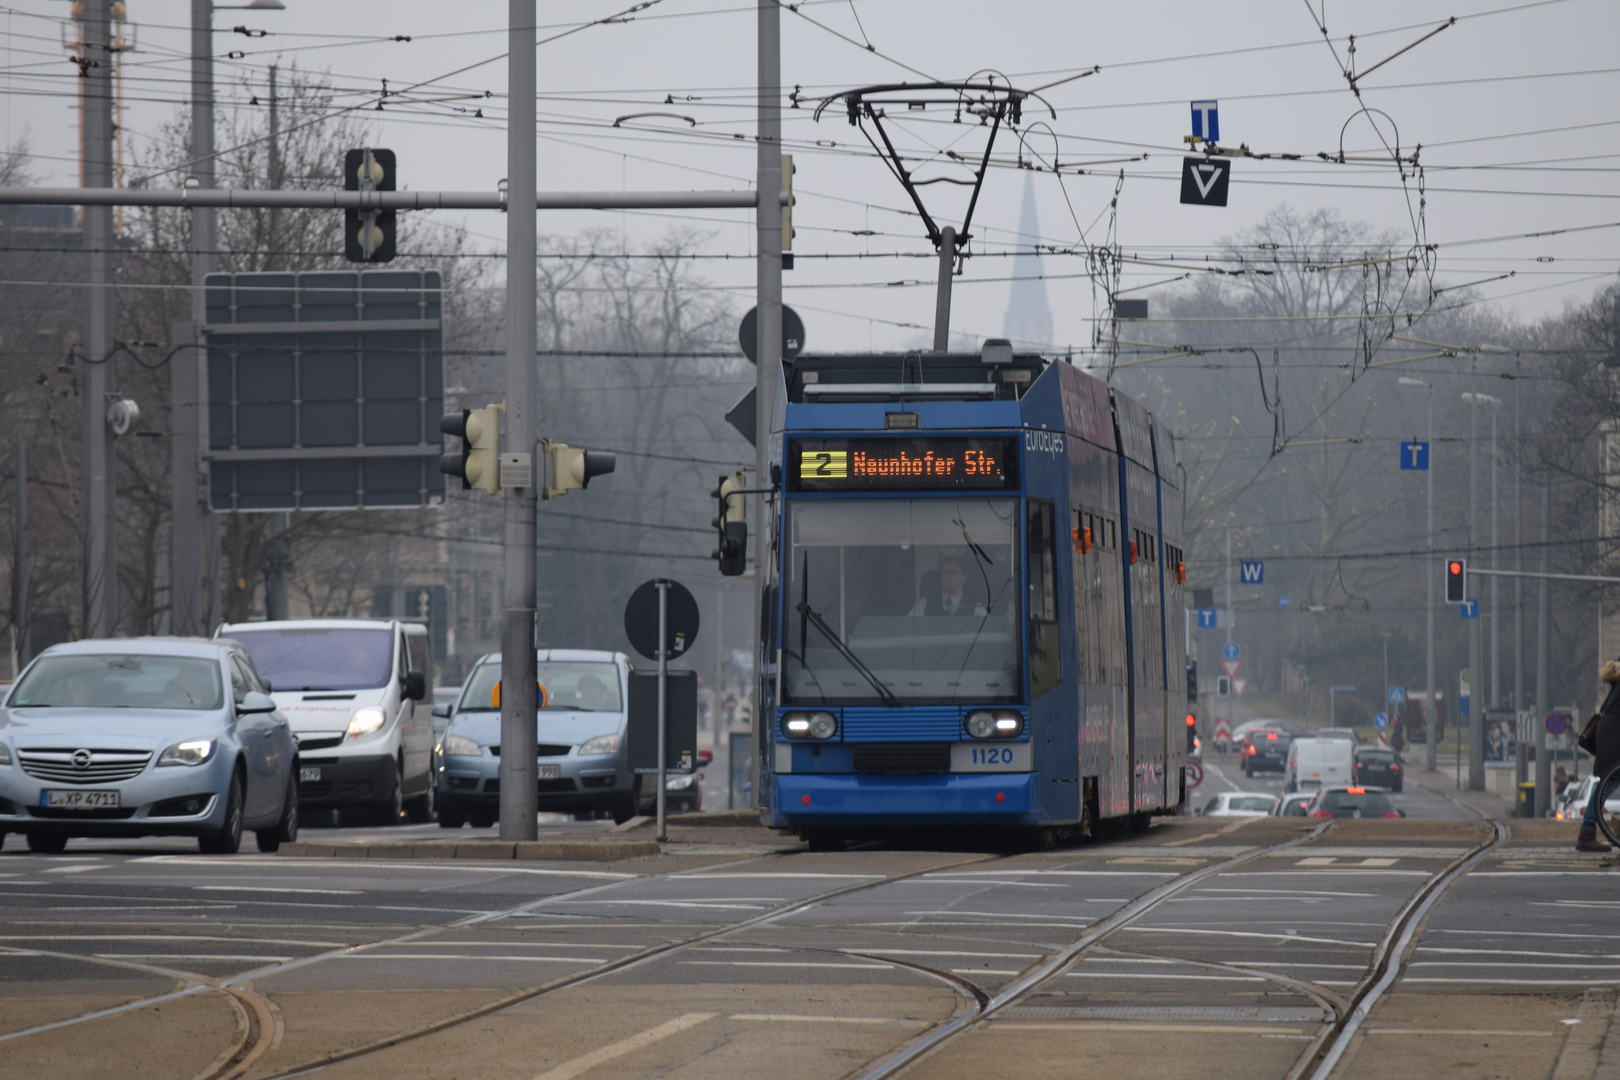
[[1206, 618], [1251, 572], [1380, 721], [1415, 455], [1230, 651]]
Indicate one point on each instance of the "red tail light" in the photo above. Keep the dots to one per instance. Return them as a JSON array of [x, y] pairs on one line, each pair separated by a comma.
[[1390, 813], [1394, 768], [1322, 813], [1253, 750]]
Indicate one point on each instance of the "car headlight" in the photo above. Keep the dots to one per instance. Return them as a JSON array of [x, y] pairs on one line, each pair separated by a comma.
[[364, 722], [190, 752], [600, 744], [461, 746], [5, 754], [1000, 724], [681, 782], [809, 725]]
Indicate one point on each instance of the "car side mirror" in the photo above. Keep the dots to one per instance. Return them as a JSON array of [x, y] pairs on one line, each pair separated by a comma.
[[705, 757], [255, 702], [1401, 812], [442, 710], [415, 686], [267, 687]]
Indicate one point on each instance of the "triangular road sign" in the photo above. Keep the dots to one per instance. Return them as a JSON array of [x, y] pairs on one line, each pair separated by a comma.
[[1232, 667], [1238, 685]]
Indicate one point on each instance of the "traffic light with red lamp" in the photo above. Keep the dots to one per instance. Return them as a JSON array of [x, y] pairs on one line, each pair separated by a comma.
[[1456, 581]]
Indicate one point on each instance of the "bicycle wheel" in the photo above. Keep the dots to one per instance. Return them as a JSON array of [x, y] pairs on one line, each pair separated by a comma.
[[1611, 784]]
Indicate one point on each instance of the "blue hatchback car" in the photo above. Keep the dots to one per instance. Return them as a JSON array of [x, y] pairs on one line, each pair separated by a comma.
[[146, 736], [582, 767]]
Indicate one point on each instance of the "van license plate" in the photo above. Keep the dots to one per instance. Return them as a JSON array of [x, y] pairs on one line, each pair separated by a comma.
[[79, 800], [549, 772], [308, 772]]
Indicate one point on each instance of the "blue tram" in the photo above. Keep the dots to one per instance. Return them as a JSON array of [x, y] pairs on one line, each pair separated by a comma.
[[975, 615]]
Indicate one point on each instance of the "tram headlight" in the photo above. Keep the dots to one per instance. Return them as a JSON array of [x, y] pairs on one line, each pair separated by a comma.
[[1000, 724], [819, 725]]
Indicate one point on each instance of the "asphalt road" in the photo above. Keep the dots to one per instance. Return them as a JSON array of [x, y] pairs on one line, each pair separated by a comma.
[[1200, 948], [1226, 774]]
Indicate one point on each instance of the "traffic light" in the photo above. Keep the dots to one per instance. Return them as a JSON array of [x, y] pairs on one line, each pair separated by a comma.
[[1456, 581], [787, 212], [476, 462], [571, 468], [1192, 731], [1192, 680], [1223, 686], [732, 524], [368, 235]]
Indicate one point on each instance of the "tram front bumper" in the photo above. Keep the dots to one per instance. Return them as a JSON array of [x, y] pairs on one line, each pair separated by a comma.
[[862, 799]]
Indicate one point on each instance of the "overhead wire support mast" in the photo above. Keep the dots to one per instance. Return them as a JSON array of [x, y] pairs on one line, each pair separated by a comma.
[[993, 103], [263, 199]]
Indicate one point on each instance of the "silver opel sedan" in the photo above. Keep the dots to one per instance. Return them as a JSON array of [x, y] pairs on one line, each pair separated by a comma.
[[146, 736]]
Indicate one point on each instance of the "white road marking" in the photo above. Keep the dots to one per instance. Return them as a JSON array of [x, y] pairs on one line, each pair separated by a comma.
[[1249, 934], [452, 956], [1286, 892], [716, 905], [1055, 873], [585, 1062], [786, 964], [169, 937], [791, 1018], [1010, 915], [424, 865], [943, 952], [986, 881], [74, 869], [195, 956], [698, 875], [1143, 975], [271, 889]]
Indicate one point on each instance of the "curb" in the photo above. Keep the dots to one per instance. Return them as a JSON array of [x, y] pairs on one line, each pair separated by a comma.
[[561, 850], [729, 818]]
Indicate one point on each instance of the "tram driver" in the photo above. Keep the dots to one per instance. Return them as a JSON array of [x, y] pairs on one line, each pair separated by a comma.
[[949, 597]]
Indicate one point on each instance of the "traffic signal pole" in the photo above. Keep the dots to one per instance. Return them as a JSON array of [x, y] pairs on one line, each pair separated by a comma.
[[519, 722], [768, 351]]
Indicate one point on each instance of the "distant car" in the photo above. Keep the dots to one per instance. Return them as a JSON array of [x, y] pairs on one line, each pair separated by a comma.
[[1240, 730], [144, 737], [1239, 804], [582, 759], [1338, 733], [1571, 805], [1320, 763], [1377, 767], [1353, 802], [1294, 804], [683, 792], [1264, 750]]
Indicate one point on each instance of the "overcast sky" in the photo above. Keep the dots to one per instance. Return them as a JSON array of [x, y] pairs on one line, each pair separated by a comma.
[[1514, 106]]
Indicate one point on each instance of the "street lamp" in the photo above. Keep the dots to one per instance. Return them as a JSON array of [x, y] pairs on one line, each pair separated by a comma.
[[1429, 763]]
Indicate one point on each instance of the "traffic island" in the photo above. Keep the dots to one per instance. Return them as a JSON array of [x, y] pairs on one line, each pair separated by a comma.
[[496, 850]]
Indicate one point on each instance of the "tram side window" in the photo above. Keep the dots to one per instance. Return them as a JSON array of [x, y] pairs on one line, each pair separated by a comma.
[[1045, 655]]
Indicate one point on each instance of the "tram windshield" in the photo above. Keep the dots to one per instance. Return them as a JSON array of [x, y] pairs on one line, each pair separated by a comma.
[[901, 602]]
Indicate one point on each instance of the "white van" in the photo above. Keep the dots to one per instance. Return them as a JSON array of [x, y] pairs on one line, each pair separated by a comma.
[[1320, 763], [356, 694]]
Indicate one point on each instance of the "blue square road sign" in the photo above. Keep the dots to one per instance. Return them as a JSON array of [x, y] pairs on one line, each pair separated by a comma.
[[1415, 455]]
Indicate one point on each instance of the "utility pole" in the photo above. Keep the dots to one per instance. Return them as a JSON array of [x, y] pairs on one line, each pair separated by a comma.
[[1518, 566], [519, 723], [1476, 679], [768, 348], [20, 616], [191, 563], [1231, 712], [1496, 685], [1543, 635], [98, 473]]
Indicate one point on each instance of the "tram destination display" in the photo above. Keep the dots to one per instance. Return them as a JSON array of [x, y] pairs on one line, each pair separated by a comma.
[[916, 463]]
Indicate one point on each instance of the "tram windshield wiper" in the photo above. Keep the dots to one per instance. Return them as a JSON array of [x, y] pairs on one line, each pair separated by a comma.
[[806, 612]]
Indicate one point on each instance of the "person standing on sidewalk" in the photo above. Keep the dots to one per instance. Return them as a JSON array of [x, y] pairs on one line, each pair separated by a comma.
[[1608, 756]]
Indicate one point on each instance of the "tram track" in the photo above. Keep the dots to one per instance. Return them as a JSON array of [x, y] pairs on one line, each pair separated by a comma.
[[256, 1028], [1391, 953], [250, 1045]]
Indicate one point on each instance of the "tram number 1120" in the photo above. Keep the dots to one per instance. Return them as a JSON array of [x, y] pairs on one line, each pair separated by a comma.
[[992, 755]]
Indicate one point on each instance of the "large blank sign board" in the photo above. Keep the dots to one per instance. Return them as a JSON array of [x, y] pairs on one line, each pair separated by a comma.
[[325, 390]]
